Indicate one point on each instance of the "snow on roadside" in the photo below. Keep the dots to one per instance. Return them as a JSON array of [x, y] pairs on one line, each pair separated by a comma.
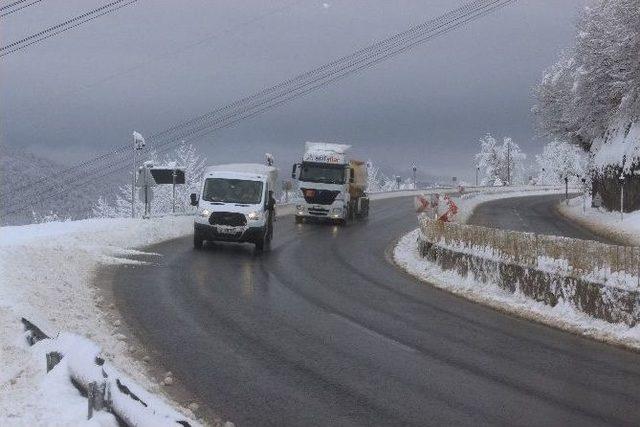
[[562, 316], [46, 271], [604, 222]]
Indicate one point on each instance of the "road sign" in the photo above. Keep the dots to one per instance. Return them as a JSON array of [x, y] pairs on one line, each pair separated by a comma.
[[165, 175]]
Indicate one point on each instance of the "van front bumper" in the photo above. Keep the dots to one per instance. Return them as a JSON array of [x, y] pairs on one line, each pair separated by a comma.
[[228, 234]]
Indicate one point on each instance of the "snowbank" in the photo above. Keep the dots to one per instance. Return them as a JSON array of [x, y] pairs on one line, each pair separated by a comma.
[[601, 221], [563, 316], [46, 271]]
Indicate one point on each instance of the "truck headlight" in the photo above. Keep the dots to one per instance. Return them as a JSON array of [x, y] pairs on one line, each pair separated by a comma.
[[254, 216], [205, 213], [336, 210]]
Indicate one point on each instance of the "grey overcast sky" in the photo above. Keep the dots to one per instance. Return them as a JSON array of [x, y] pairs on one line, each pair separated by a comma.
[[78, 94]]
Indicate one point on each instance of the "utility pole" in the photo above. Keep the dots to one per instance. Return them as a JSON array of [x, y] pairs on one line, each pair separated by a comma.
[[138, 144], [173, 204], [566, 189], [477, 172], [414, 176], [133, 181], [508, 162], [621, 196], [584, 195]]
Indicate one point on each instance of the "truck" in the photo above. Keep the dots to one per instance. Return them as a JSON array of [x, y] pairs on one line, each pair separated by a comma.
[[235, 204], [330, 185]]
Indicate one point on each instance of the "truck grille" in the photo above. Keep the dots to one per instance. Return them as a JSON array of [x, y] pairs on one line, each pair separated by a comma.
[[319, 197], [233, 219]]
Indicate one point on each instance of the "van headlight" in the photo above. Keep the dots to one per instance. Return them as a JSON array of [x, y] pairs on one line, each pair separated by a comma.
[[254, 216], [205, 213]]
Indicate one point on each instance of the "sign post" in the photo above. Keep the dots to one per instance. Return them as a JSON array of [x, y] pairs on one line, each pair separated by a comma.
[[138, 144]]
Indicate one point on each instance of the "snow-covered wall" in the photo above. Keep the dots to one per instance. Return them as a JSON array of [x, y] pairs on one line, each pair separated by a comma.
[[598, 279]]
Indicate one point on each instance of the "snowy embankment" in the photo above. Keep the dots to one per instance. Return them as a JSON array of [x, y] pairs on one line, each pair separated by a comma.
[[623, 229], [562, 315], [46, 272]]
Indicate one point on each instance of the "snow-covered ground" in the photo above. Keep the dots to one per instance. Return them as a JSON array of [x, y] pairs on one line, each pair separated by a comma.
[[624, 229], [563, 315], [46, 271]]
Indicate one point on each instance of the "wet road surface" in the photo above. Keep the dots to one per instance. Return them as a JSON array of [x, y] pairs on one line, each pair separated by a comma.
[[323, 330]]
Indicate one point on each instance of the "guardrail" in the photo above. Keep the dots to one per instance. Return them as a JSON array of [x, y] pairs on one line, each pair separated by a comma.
[[597, 279], [103, 386], [619, 265]]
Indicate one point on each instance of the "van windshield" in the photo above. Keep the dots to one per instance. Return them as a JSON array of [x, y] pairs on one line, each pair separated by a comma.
[[239, 191], [322, 172]]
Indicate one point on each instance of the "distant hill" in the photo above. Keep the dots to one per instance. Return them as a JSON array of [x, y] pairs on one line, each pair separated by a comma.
[[19, 168]]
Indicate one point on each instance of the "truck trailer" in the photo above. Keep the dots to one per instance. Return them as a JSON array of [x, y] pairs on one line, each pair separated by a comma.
[[330, 185], [236, 204]]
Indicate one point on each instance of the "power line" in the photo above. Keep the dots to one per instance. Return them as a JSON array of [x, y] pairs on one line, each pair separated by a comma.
[[242, 111], [140, 65], [17, 9], [10, 5], [257, 108], [284, 92], [64, 26]]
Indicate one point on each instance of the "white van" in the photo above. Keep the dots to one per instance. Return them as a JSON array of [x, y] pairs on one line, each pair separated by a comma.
[[236, 204]]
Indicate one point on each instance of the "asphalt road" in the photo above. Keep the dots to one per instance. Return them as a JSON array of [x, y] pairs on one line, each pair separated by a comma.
[[534, 214], [324, 331]]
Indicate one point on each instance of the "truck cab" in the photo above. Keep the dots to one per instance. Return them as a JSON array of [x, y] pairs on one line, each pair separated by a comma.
[[235, 204], [330, 186]]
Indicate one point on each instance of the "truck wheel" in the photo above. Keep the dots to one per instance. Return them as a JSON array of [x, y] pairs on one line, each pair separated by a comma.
[[299, 219], [197, 241]]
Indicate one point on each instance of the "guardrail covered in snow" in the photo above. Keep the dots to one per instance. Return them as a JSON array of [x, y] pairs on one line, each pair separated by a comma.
[[611, 264], [598, 279], [105, 388]]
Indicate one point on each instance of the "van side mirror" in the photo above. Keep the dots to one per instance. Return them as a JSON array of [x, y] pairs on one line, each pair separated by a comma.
[[293, 171], [194, 199], [352, 175]]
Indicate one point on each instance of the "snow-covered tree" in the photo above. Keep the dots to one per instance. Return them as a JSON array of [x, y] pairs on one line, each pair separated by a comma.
[[52, 216], [558, 160], [597, 83], [500, 164], [378, 181], [185, 156]]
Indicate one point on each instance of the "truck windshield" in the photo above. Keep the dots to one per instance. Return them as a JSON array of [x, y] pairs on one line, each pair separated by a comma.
[[239, 191], [322, 172]]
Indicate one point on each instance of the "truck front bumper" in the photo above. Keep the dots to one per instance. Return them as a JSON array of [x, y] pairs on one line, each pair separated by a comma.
[[333, 211]]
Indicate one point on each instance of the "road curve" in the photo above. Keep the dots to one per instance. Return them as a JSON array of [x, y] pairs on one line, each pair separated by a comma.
[[324, 331]]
